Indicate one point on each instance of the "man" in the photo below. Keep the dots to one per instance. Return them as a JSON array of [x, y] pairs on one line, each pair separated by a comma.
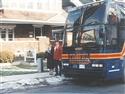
[[57, 57]]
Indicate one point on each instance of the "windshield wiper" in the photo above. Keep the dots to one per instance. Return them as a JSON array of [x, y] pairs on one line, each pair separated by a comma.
[[90, 45]]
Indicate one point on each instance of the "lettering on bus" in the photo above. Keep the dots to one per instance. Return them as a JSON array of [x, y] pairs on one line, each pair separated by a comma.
[[78, 59], [79, 62]]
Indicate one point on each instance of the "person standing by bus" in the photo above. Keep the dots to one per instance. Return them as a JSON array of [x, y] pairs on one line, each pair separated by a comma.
[[57, 58], [50, 61]]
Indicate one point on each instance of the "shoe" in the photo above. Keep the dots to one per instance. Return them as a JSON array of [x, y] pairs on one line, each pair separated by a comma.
[[55, 74]]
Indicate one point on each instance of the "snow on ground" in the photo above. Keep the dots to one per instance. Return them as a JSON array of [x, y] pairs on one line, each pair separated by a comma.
[[52, 80], [22, 82], [55, 80]]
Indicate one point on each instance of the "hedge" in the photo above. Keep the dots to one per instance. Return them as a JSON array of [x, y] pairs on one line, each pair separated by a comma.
[[6, 57], [41, 55]]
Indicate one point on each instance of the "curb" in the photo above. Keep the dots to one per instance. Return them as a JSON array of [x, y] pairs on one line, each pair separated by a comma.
[[11, 78]]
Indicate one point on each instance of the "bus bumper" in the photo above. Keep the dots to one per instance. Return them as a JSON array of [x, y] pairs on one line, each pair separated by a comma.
[[83, 73]]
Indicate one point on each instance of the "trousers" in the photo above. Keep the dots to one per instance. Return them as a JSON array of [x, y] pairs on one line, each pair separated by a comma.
[[58, 63]]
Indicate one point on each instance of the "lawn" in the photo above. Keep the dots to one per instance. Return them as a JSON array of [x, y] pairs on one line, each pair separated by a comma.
[[19, 69]]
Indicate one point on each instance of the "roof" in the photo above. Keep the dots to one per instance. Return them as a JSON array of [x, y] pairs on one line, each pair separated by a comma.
[[24, 15], [27, 17]]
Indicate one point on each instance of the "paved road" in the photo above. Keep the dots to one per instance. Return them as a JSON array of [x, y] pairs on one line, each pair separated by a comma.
[[108, 87]]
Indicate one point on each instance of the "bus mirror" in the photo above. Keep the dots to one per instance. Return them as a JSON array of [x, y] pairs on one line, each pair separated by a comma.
[[114, 41], [100, 41]]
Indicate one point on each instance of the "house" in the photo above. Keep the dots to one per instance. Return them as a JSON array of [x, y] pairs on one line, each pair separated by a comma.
[[30, 24]]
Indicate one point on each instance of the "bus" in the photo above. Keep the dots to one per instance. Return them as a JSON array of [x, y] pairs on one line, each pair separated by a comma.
[[94, 41]]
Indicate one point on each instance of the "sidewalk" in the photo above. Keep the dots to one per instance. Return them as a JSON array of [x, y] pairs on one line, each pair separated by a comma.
[[24, 76]]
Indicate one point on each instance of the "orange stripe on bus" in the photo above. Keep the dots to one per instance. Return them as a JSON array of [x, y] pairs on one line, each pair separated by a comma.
[[102, 56]]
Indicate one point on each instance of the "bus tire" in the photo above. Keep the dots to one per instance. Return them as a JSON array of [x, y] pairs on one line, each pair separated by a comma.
[[123, 73]]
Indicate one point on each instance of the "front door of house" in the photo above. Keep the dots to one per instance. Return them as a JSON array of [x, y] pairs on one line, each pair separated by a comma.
[[37, 32]]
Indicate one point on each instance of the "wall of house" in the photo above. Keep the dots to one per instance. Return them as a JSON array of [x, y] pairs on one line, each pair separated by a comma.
[[17, 47], [23, 41], [22, 32], [47, 31]]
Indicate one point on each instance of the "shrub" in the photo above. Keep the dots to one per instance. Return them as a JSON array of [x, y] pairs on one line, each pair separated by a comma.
[[41, 55], [6, 57]]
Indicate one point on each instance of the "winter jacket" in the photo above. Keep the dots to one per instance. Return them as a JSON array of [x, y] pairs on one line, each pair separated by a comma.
[[58, 53]]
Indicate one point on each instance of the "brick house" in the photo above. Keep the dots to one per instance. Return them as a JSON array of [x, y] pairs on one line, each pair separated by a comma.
[[30, 24]]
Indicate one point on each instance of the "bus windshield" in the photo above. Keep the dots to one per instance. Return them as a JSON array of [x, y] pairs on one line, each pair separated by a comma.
[[94, 15], [73, 18], [87, 37], [80, 29], [75, 38]]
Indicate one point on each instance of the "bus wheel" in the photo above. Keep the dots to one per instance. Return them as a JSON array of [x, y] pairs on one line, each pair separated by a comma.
[[123, 74]]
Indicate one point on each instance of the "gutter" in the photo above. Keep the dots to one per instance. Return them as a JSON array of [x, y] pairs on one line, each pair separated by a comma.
[[16, 21]]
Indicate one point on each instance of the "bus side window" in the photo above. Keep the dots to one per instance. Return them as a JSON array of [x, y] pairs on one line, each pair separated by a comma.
[[112, 18]]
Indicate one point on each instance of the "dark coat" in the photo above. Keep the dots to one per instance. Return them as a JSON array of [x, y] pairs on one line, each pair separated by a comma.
[[50, 61]]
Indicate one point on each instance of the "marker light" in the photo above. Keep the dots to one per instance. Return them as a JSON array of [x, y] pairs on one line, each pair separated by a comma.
[[98, 65], [65, 64]]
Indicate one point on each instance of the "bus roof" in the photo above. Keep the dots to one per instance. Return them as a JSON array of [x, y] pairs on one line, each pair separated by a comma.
[[87, 5]]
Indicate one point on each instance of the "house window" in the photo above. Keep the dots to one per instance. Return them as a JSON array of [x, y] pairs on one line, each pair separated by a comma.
[[52, 5], [7, 34], [22, 5], [10, 34], [57, 34], [14, 4], [39, 5], [46, 5], [30, 5], [3, 34]]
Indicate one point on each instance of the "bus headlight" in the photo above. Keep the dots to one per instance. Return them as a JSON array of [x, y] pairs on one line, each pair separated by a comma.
[[98, 65], [65, 64], [101, 65]]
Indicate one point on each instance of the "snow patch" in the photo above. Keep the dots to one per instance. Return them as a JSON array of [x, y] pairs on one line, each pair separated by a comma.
[[54, 80], [24, 83]]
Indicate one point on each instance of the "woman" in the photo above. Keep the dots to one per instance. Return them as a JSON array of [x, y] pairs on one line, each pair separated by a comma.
[[50, 62]]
